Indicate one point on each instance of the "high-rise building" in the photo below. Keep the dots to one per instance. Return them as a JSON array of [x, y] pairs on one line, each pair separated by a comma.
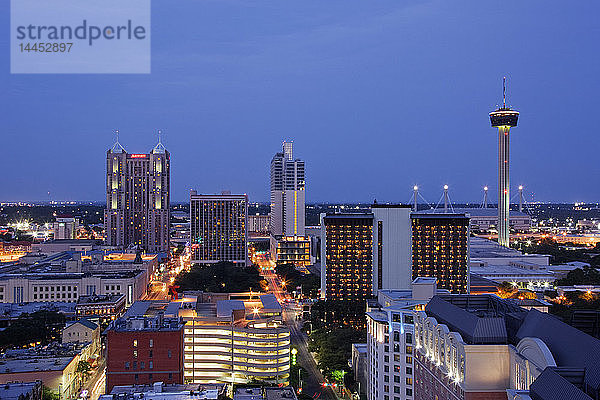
[[392, 267], [440, 249], [137, 198], [347, 256], [218, 228], [362, 253], [503, 118], [144, 347], [390, 340], [287, 194]]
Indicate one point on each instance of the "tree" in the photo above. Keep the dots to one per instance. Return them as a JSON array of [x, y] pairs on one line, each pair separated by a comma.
[[49, 394], [83, 367], [580, 276], [222, 277]]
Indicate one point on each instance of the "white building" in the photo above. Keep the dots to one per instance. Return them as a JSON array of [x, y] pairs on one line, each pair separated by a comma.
[[287, 194], [218, 228], [229, 340], [392, 247], [65, 227], [390, 341]]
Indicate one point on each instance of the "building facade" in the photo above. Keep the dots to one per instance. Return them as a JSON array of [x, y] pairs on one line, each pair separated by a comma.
[[230, 340], [287, 194], [65, 227], [219, 231], [440, 249], [143, 349], [347, 256], [293, 250], [392, 247], [483, 347], [137, 199]]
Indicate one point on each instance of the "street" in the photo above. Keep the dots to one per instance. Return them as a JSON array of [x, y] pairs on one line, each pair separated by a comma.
[[311, 382]]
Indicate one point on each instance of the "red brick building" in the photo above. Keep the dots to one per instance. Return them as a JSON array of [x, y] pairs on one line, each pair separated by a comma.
[[143, 350]]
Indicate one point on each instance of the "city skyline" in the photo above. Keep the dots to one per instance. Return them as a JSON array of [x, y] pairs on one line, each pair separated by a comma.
[[349, 82]]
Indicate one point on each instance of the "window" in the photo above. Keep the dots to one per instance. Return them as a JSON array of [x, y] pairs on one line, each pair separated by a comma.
[[409, 381], [396, 389], [135, 354], [386, 348], [396, 336], [150, 353], [142, 365], [170, 374], [151, 364], [386, 358], [151, 342], [135, 343], [135, 365], [150, 377], [396, 368], [169, 355], [397, 357], [409, 338], [127, 365], [408, 349], [386, 368], [396, 348], [386, 388], [136, 376], [386, 378], [409, 391], [396, 379], [408, 360], [386, 339], [408, 370], [408, 319]]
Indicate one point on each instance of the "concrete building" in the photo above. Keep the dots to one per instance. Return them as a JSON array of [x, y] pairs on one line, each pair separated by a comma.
[[82, 331], [390, 340], [287, 193], [440, 249], [483, 347], [65, 227], [360, 368], [163, 391], [219, 231], [259, 224], [21, 391], [368, 252], [233, 338], [103, 307], [486, 219], [54, 365], [265, 393], [292, 250], [137, 198], [392, 247], [144, 347]]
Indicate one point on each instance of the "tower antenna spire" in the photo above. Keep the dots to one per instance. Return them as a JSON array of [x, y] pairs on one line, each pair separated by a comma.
[[504, 92], [160, 136]]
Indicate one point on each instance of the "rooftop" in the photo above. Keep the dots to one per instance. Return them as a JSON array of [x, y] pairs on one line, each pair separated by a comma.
[[162, 391], [14, 391]]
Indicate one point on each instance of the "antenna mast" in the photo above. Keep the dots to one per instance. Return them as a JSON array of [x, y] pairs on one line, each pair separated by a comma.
[[504, 92]]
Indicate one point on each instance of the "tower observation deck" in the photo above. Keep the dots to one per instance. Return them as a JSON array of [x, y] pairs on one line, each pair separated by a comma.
[[503, 118]]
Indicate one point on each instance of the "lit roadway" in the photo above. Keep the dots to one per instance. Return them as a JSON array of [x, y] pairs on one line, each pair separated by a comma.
[[311, 384]]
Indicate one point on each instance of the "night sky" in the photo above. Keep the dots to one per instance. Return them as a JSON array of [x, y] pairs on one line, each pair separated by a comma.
[[377, 96]]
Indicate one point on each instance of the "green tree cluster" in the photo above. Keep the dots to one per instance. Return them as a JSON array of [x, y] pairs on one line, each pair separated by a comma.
[[41, 326], [310, 283], [334, 349], [221, 277]]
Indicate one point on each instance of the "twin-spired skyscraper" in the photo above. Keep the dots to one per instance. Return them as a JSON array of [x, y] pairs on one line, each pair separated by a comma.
[[137, 198]]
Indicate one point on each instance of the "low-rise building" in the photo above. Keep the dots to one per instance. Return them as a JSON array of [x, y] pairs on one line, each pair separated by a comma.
[[265, 393], [483, 347], [162, 391], [233, 338], [103, 307], [54, 365], [21, 391], [291, 250], [144, 347], [82, 331]]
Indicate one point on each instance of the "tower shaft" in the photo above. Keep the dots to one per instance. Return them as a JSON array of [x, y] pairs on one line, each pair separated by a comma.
[[503, 185]]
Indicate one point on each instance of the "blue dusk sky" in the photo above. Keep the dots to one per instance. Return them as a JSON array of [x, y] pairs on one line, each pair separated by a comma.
[[376, 95]]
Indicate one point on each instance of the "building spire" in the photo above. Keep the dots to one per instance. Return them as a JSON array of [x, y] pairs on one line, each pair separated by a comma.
[[117, 148], [159, 148], [504, 92]]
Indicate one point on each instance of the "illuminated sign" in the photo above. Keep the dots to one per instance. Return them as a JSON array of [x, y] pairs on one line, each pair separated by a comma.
[[139, 155]]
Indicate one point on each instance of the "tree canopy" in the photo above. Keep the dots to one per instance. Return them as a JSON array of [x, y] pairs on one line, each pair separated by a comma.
[[222, 277]]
